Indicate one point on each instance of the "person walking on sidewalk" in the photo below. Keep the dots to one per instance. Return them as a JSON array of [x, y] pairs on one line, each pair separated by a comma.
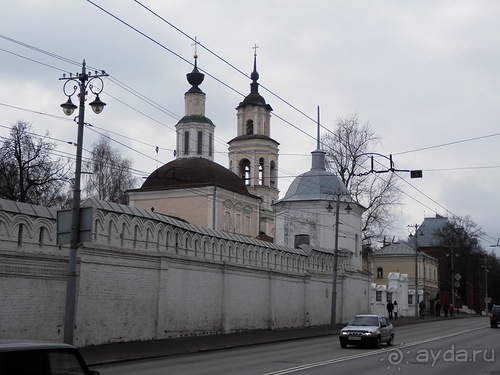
[[396, 309], [451, 308], [390, 308], [446, 309], [421, 307], [438, 308]]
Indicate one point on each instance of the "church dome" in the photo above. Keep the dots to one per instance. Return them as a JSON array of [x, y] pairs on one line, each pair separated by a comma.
[[316, 184], [187, 173]]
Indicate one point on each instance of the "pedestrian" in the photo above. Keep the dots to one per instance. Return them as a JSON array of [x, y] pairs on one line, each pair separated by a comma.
[[437, 307], [390, 308], [421, 306], [396, 309], [450, 308], [446, 309]]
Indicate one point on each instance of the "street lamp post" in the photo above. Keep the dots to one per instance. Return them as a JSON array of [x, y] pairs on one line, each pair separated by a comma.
[[452, 276], [329, 208], [486, 299], [80, 82], [416, 269]]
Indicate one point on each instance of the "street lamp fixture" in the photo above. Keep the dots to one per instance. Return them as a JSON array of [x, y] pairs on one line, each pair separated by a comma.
[[81, 82]]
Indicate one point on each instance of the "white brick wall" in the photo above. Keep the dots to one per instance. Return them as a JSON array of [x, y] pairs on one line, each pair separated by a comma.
[[157, 289]]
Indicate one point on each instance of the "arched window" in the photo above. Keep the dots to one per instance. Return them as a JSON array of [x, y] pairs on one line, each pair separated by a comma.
[[249, 127], [245, 171], [261, 171], [272, 173]]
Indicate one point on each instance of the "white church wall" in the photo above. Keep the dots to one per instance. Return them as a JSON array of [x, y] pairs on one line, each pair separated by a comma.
[[355, 293], [143, 279]]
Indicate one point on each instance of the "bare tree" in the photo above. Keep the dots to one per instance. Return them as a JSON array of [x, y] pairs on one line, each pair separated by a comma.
[[109, 175], [349, 147], [28, 171]]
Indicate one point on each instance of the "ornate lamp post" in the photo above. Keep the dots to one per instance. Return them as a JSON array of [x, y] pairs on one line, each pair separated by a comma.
[[329, 208], [80, 82]]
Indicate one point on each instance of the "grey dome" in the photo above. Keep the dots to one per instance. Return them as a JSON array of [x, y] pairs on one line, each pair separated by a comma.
[[317, 184]]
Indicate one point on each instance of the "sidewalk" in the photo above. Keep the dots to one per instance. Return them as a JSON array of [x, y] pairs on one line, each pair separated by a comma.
[[110, 353]]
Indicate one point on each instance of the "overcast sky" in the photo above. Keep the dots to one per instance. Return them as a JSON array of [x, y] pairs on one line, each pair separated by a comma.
[[424, 74]]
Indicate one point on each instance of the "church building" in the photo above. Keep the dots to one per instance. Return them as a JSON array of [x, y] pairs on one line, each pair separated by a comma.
[[193, 187], [253, 154]]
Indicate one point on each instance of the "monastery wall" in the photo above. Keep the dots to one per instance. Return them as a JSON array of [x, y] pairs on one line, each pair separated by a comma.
[[149, 277]]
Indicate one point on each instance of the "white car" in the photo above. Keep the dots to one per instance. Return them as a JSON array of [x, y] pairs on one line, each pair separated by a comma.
[[367, 329]]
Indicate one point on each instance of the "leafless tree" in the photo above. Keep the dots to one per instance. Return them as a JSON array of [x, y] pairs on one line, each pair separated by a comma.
[[349, 149], [29, 172], [108, 175]]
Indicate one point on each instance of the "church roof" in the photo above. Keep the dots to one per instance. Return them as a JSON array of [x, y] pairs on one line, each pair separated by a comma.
[[253, 136], [316, 184], [185, 173]]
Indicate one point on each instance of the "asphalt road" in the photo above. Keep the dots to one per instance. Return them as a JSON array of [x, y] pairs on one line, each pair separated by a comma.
[[461, 346]]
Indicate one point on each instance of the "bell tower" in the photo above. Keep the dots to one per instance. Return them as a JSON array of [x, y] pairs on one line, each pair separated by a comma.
[[253, 154], [195, 131]]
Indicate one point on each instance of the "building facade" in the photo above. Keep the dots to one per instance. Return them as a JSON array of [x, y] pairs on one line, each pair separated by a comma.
[[253, 154], [401, 258], [193, 187]]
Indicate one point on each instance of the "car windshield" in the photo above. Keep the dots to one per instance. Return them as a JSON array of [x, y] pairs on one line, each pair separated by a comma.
[[364, 321]]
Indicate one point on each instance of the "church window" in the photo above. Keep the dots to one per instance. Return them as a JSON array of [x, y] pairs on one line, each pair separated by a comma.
[[245, 171], [272, 173], [410, 299], [378, 296], [210, 144], [186, 142], [249, 127], [261, 171], [389, 296], [200, 142]]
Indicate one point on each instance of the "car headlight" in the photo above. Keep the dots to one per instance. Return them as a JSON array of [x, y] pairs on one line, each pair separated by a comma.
[[370, 334], [344, 333]]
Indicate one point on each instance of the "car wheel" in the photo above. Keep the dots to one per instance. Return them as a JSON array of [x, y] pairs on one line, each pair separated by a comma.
[[343, 345], [389, 342], [377, 343]]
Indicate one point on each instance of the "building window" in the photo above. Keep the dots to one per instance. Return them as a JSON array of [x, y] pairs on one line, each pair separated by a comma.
[[378, 296], [186, 142], [245, 171], [410, 299], [200, 142], [380, 273], [210, 144], [389, 297], [261, 171], [249, 127]]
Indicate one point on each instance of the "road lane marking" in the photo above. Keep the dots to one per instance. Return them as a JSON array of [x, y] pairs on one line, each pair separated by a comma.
[[365, 354]]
